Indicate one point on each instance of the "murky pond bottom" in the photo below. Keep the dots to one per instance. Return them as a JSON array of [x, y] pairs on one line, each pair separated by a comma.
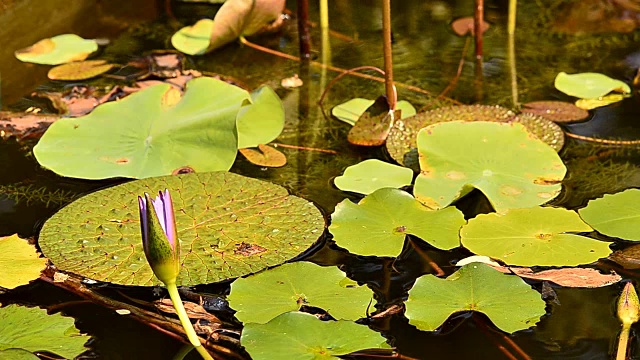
[[580, 323]]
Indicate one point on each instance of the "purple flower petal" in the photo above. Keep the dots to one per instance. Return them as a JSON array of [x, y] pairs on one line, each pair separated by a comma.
[[170, 228], [158, 205], [144, 222]]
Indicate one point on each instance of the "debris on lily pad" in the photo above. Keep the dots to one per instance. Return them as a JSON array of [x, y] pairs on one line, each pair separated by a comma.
[[589, 85], [380, 222], [350, 111], [509, 302], [589, 104], [456, 157], [616, 215], [195, 39], [58, 50], [556, 111], [31, 329], [79, 70], [265, 155], [466, 25], [298, 335], [290, 286], [19, 261], [538, 236], [371, 175]]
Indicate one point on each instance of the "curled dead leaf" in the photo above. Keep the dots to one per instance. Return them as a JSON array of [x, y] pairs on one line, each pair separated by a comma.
[[264, 156]]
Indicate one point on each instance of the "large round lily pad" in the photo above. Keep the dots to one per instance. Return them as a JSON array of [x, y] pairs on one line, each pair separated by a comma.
[[539, 236], [615, 215], [379, 224], [302, 336], [503, 160], [228, 225], [290, 286], [507, 300]]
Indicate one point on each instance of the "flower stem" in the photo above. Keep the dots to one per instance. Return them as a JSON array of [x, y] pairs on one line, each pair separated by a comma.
[[184, 320], [623, 341]]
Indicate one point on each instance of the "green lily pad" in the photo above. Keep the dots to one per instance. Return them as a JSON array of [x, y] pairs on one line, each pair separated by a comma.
[[589, 85], [58, 50], [195, 39], [31, 329], [19, 262], [290, 286], [539, 236], [589, 104], [79, 70], [507, 300], [17, 354], [228, 225], [378, 225], [149, 133], [512, 168], [615, 215], [261, 121], [351, 110], [302, 336], [371, 175]]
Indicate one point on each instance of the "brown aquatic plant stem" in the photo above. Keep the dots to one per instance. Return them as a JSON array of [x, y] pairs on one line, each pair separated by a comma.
[[287, 146], [346, 72], [390, 90], [424, 255], [490, 334], [303, 29], [478, 20]]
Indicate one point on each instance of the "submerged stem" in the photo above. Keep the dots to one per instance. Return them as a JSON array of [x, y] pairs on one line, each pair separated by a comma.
[[388, 58], [186, 323]]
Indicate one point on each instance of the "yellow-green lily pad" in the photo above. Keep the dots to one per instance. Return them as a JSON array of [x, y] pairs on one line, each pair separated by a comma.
[[79, 70], [371, 175], [615, 215], [195, 39], [19, 261], [350, 111], [58, 50], [589, 85]]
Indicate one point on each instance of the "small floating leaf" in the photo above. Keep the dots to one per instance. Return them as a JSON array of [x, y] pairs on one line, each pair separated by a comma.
[[302, 336], [374, 124], [79, 70], [588, 104], [507, 300], [351, 110], [371, 175], [33, 330], [540, 236], [261, 121], [290, 286], [556, 111], [195, 39], [19, 262], [264, 156], [58, 50], [589, 85], [378, 225], [615, 215], [456, 157]]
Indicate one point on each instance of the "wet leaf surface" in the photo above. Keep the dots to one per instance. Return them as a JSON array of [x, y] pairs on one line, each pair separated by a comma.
[[228, 226]]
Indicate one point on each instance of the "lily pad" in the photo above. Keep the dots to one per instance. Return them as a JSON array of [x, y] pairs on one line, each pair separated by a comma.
[[350, 111], [589, 85], [265, 155], [615, 215], [195, 39], [261, 121], [17, 354], [228, 225], [556, 111], [19, 262], [588, 104], [512, 168], [79, 70], [58, 50], [302, 336], [371, 175], [31, 329], [149, 133], [507, 300], [290, 286], [378, 225], [539, 236], [372, 128]]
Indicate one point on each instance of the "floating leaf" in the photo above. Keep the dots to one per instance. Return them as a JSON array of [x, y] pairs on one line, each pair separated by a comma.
[[540, 236], [588, 104], [19, 262], [466, 25], [371, 175], [351, 110], [17, 354], [261, 121], [119, 139], [290, 286], [556, 111], [33, 330], [589, 85], [264, 156], [511, 167], [508, 301], [57, 50], [374, 124], [615, 215], [378, 225], [302, 336], [195, 39], [79, 70], [568, 277], [228, 225]]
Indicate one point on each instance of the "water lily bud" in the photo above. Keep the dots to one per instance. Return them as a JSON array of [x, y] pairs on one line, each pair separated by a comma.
[[159, 236], [628, 305]]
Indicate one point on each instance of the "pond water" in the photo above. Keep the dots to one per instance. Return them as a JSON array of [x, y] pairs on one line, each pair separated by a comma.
[[426, 54]]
